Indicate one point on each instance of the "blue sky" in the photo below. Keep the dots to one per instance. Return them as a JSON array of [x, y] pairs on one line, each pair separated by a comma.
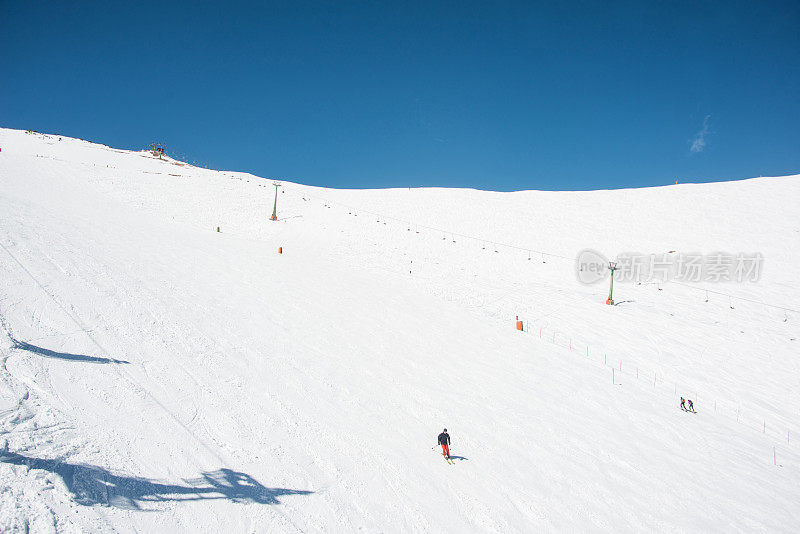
[[491, 95]]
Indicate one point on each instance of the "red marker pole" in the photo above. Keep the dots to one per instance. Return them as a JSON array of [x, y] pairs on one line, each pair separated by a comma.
[[613, 381]]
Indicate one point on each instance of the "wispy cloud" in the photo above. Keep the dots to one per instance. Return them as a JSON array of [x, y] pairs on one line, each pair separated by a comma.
[[698, 143]]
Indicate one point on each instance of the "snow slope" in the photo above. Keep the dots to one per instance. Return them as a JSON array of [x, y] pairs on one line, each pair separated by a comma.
[[160, 376]]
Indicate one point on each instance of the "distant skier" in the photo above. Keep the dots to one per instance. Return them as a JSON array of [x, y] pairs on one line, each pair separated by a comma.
[[691, 406], [444, 441], [683, 404]]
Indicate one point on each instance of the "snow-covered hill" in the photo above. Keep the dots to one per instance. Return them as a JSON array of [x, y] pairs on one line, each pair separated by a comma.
[[160, 376]]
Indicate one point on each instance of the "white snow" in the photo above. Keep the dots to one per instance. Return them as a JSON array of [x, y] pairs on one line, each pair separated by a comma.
[[160, 376]]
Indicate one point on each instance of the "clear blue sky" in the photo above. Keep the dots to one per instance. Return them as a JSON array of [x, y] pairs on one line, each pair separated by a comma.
[[492, 95]]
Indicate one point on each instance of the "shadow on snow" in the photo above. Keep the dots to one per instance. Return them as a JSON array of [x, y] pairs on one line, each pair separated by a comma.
[[91, 485], [47, 353]]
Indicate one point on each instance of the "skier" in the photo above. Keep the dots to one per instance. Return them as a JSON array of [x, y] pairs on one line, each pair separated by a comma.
[[444, 441], [683, 404], [691, 406]]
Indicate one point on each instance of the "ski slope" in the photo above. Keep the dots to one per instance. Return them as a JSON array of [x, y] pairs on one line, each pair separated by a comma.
[[160, 376]]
